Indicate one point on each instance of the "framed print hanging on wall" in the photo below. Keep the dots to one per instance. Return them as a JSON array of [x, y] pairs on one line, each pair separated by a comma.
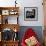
[[31, 13]]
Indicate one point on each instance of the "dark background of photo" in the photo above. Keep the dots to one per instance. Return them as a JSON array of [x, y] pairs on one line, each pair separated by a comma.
[[30, 14]]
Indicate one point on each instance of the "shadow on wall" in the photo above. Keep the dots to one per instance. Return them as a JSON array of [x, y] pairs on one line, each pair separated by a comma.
[[37, 29]]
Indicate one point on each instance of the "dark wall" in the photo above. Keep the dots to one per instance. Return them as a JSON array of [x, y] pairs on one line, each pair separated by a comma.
[[37, 29]]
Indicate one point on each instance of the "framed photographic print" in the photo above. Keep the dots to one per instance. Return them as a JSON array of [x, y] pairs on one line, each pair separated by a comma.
[[5, 12], [31, 13]]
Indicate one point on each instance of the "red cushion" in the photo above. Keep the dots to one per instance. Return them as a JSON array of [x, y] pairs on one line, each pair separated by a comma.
[[29, 33]]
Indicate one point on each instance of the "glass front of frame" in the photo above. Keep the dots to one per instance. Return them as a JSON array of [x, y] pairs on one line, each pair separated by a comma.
[[31, 13]]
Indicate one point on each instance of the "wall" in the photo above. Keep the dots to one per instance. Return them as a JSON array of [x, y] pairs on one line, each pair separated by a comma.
[[26, 3]]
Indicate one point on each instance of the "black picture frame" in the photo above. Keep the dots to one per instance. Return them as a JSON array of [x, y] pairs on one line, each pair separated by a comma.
[[30, 13]]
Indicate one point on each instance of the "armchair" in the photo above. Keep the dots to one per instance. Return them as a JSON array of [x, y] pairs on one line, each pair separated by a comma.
[[30, 38]]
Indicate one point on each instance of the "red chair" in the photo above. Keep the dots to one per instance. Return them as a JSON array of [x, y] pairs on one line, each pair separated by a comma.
[[29, 33]]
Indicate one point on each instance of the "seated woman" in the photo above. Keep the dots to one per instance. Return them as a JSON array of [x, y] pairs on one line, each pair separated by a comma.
[[30, 38]]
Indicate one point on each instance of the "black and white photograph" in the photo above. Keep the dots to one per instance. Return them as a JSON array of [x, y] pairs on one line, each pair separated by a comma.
[[31, 13]]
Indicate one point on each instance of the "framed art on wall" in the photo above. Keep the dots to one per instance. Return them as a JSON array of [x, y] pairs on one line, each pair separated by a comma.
[[31, 13], [5, 12]]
